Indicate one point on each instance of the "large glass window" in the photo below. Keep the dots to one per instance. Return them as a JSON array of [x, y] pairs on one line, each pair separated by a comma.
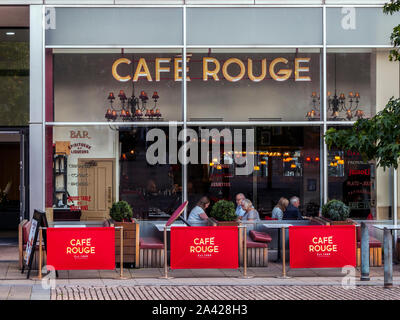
[[353, 181], [264, 85], [254, 26], [359, 26], [286, 164], [14, 77], [153, 187], [129, 85], [113, 26], [351, 84], [90, 167]]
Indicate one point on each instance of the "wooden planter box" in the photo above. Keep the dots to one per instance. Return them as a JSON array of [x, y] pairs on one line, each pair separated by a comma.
[[213, 222], [340, 223], [131, 241]]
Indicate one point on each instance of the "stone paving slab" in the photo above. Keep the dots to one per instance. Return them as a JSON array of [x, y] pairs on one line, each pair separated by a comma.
[[20, 293], [40, 293], [4, 291]]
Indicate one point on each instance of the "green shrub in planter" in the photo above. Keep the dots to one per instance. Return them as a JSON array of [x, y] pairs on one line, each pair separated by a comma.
[[223, 211], [335, 210], [121, 211]]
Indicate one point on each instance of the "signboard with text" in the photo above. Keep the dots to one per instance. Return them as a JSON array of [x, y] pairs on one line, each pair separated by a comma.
[[81, 248], [322, 246], [204, 248]]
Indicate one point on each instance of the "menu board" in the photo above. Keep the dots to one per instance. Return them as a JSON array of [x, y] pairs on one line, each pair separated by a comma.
[[358, 187]]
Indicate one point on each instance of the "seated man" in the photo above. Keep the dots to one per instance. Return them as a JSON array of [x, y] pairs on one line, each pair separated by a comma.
[[292, 211], [239, 210]]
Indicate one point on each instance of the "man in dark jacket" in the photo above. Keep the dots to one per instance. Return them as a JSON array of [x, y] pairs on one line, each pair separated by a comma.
[[292, 211]]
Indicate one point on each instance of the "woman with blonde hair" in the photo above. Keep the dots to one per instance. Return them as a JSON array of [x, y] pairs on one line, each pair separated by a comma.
[[280, 208], [198, 214]]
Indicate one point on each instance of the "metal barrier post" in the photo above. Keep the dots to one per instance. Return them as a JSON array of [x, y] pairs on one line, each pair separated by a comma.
[[388, 265], [283, 276], [121, 235], [364, 252], [40, 253], [165, 256], [245, 276]]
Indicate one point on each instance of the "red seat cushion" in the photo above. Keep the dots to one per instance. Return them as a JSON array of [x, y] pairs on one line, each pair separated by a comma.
[[150, 243], [373, 243], [253, 244], [26, 228], [258, 236]]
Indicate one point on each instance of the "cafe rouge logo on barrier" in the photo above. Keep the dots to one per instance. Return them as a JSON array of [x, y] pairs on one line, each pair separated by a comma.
[[212, 68], [204, 247], [81, 248], [322, 246]]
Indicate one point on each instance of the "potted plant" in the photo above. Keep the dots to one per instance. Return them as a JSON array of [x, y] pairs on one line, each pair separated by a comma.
[[121, 216], [336, 212], [223, 214]]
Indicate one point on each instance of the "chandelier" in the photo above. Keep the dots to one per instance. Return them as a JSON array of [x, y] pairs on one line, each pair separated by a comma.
[[132, 108], [342, 108], [338, 106]]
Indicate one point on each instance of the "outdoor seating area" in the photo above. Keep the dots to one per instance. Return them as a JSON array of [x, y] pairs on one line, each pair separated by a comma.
[[144, 247]]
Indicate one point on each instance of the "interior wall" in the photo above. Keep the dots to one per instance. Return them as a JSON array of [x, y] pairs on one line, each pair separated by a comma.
[[100, 142]]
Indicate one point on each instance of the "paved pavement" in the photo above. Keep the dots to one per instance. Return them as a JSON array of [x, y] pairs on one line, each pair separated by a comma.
[[168, 292], [193, 284]]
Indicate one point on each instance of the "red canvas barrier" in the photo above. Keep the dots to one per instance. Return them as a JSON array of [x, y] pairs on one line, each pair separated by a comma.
[[81, 248], [322, 246], [204, 248]]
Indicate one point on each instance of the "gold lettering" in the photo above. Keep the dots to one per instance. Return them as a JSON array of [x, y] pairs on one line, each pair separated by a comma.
[[160, 69], [263, 70], [225, 69], [212, 73], [178, 69], [282, 74], [139, 73], [298, 69], [115, 72]]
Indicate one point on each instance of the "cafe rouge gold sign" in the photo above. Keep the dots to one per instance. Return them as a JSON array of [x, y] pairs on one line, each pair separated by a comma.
[[214, 69]]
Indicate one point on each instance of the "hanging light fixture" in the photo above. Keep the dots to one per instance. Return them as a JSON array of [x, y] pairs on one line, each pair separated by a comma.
[[349, 105], [133, 108]]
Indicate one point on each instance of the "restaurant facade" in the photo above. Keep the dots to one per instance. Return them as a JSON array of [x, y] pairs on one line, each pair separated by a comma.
[[114, 106]]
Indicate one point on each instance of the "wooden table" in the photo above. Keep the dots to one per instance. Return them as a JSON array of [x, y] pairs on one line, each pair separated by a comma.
[[161, 226]]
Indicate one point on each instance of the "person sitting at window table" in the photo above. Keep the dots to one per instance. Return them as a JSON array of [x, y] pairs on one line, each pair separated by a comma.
[[292, 211], [239, 210], [251, 213], [280, 208], [198, 214]]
